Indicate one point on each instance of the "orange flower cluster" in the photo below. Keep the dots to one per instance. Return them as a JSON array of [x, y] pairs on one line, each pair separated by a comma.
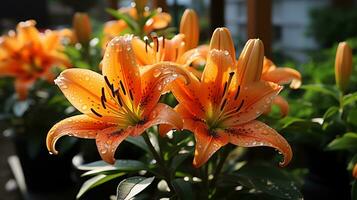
[[118, 27], [219, 106], [28, 55]]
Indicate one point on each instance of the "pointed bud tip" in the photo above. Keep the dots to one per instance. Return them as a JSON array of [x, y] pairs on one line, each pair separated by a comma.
[[222, 40]]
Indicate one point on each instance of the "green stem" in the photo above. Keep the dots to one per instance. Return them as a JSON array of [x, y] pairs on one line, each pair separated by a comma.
[[161, 163], [223, 156]]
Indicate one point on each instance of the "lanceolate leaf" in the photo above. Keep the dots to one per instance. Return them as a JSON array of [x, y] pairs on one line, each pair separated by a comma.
[[95, 181], [263, 178], [350, 98], [321, 89], [132, 186], [121, 165], [347, 142]]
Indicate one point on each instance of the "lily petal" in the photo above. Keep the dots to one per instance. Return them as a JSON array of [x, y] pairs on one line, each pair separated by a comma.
[[251, 102], [142, 52], [154, 80], [22, 87], [121, 70], [83, 88], [27, 32], [188, 95], [283, 75], [256, 133], [108, 141], [282, 104], [162, 114], [80, 126], [207, 143], [215, 75]]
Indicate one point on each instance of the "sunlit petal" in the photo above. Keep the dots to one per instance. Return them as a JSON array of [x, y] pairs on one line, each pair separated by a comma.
[[108, 141], [251, 102], [80, 126], [84, 89], [256, 133], [283, 75], [161, 115], [155, 78], [121, 70]]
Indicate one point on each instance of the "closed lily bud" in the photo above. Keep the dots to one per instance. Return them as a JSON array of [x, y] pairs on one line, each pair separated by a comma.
[[354, 171], [82, 28], [222, 40], [189, 26], [343, 65], [250, 63]]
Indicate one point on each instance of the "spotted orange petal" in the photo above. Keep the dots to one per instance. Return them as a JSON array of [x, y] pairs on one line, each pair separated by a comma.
[[154, 80], [84, 89], [219, 66], [207, 142], [250, 103], [162, 114], [80, 126], [256, 133], [108, 141], [121, 70], [188, 95], [142, 52]]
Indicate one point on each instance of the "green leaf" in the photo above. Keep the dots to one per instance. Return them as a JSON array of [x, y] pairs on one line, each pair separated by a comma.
[[331, 112], [321, 89], [139, 142], [130, 187], [264, 178], [178, 159], [128, 20], [96, 181], [349, 98], [347, 142], [354, 190], [352, 116], [121, 165], [183, 188]]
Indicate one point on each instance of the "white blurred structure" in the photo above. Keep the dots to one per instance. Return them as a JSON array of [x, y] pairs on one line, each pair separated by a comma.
[[290, 19]]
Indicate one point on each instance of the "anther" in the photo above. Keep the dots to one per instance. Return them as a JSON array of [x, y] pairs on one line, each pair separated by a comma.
[[122, 87], [131, 95], [95, 112], [240, 106], [237, 94]]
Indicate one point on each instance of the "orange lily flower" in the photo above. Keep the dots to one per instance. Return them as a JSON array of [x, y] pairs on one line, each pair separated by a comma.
[[280, 75], [223, 105], [115, 28], [182, 48], [120, 103], [28, 55]]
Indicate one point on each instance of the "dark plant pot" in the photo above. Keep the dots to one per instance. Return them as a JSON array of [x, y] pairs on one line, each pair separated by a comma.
[[328, 178], [45, 173]]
